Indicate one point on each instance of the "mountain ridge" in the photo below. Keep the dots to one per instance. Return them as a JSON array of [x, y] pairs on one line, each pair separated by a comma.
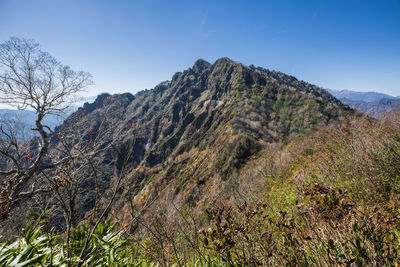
[[233, 109], [201, 128]]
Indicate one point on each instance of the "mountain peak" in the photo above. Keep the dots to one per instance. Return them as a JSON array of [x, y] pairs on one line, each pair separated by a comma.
[[225, 107], [200, 65], [223, 60], [105, 99]]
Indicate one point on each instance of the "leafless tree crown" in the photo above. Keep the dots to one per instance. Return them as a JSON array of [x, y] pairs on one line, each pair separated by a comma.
[[31, 78]]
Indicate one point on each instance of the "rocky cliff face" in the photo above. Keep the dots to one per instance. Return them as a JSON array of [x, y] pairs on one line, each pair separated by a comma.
[[199, 130], [228, 109], [177, 115]]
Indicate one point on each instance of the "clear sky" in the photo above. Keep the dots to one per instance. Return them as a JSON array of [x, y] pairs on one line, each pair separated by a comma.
[[133, 45]]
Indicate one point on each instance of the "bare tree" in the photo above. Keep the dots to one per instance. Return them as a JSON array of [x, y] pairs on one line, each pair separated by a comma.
[[31, 79]]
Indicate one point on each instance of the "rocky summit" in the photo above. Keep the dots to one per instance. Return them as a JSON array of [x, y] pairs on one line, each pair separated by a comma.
[[201, 130], [200, 127]]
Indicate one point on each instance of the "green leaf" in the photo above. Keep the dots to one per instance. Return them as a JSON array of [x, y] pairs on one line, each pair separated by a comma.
[[30, 262]]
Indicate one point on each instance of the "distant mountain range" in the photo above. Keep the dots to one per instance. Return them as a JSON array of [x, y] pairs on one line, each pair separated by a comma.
[[360, 96], [27, 117], [372, 103]]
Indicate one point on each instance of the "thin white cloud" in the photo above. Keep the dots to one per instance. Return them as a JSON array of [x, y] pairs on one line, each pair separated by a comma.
[[203, 21]]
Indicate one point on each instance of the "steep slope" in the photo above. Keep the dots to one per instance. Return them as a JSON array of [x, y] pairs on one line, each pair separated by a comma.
[[198, 130], [221, 113], [263, 105]]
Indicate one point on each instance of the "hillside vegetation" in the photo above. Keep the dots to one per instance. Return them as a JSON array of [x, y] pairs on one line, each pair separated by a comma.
[[225, 164], [331, 198]]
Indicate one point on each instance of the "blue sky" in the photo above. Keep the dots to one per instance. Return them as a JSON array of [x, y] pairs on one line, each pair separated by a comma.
[[133, 45]]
